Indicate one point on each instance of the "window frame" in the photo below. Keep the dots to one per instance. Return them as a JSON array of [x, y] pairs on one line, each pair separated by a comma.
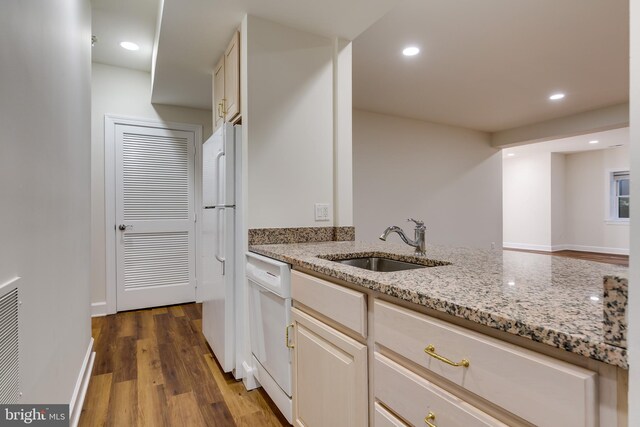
[[614, 177]]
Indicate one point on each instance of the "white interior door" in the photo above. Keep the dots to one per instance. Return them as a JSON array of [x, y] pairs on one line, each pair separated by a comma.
[[155, 221]]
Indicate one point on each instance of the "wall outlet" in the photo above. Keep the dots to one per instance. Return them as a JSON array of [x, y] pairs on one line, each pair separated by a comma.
[[322, 212]]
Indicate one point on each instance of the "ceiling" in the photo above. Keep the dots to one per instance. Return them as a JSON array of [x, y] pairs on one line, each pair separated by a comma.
[[194, 33], [114, 21], [607, 139], [490, 65]]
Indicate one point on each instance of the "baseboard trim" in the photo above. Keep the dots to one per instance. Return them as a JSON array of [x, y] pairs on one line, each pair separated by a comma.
[[555, 248], [82, 384], [98, 309], [598, 249], [526, 246]]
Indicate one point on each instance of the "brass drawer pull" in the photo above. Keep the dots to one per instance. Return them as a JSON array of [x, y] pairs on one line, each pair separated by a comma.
[[430, 417], [431, 351], [286, 336]]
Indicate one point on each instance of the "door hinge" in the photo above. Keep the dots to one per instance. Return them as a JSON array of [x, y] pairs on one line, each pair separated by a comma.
[[195, 217]]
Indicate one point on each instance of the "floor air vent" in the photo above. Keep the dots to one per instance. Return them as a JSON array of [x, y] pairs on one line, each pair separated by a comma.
[[9, 343]]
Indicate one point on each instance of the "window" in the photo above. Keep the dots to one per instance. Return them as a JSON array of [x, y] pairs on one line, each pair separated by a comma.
[[620, 195]]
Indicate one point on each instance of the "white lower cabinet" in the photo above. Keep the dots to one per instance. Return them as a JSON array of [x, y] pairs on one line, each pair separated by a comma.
[[330, 386], [539, 389], [427, 372], [422, 403], [384, 418]]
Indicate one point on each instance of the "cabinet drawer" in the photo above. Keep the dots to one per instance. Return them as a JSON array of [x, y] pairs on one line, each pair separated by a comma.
[[413, 398], [340, 304], [537, 388], [384, 418]]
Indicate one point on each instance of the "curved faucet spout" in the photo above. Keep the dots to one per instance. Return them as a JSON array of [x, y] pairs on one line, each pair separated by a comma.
[[418, 243], [399, 231]]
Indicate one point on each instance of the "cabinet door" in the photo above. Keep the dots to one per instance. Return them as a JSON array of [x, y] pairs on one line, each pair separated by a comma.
[[218, 93], [329, 376], [232, 78]]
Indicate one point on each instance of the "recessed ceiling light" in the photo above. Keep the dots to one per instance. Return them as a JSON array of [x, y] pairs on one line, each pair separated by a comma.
[[595, 141], [594, 298], [129, 45], [511, 283], [556, 96], [410, 51], [510, 154]]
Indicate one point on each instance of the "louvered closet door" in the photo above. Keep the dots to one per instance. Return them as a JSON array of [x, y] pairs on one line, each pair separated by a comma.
[[155, 231]]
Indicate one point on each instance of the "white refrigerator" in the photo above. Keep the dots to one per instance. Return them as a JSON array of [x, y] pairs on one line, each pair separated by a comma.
[[220, 166]]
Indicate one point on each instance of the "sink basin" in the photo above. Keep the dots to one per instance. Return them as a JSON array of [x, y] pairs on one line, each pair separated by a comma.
[[380, 264]]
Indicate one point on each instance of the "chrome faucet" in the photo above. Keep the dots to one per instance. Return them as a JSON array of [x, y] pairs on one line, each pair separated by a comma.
[[417, 243]]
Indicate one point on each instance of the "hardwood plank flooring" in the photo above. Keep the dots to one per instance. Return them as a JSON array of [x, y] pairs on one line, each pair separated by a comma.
[[622, 260], [153, 368]]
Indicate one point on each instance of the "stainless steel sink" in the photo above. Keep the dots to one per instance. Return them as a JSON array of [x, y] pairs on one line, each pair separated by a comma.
[[380, 264]]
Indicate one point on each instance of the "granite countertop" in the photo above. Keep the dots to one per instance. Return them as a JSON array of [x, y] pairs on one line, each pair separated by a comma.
[[553, 300]]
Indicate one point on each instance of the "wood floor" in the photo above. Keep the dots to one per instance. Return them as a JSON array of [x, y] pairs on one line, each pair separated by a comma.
[[154, 368], [589, 256]]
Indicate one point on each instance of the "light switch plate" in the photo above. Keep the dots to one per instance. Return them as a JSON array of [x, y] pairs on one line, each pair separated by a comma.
[[322, 212]]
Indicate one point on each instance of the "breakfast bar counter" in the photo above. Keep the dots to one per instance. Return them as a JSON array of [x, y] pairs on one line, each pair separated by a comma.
[[552, 300]]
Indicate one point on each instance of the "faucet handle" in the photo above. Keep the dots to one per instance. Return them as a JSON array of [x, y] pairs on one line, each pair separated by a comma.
[[419, 224]]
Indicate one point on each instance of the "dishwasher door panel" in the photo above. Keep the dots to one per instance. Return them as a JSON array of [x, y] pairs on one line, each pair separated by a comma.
[[269, 315]]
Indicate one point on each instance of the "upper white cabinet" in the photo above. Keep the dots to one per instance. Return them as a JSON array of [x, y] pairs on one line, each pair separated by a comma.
[[218, 93], [226, 84], [231, 102]]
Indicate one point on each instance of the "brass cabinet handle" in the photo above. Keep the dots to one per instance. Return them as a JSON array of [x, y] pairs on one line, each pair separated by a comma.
[[286, 336], [430, 417], [220, 111], [431, 351]]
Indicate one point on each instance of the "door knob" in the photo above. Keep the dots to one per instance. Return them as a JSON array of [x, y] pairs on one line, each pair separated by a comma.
[[123, 227]]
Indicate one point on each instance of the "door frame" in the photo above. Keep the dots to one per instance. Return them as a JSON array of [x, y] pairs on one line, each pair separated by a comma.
[[110, 123]]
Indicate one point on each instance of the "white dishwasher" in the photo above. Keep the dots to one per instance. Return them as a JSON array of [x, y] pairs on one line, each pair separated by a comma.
[[269, 318]]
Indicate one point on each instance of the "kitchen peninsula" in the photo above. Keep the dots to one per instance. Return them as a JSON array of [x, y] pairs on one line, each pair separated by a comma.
[[525, 307]]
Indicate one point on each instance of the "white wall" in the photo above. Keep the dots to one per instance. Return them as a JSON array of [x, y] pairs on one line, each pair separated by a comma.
[[526, 194], [634, 289], [556, 201], [44, 187], [289, 125], [124, 92], [343, 133], [559, 193], [449, 177], [587, 205]]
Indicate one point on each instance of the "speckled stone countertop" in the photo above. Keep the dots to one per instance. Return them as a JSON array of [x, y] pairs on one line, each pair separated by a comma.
[[553, 300]]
